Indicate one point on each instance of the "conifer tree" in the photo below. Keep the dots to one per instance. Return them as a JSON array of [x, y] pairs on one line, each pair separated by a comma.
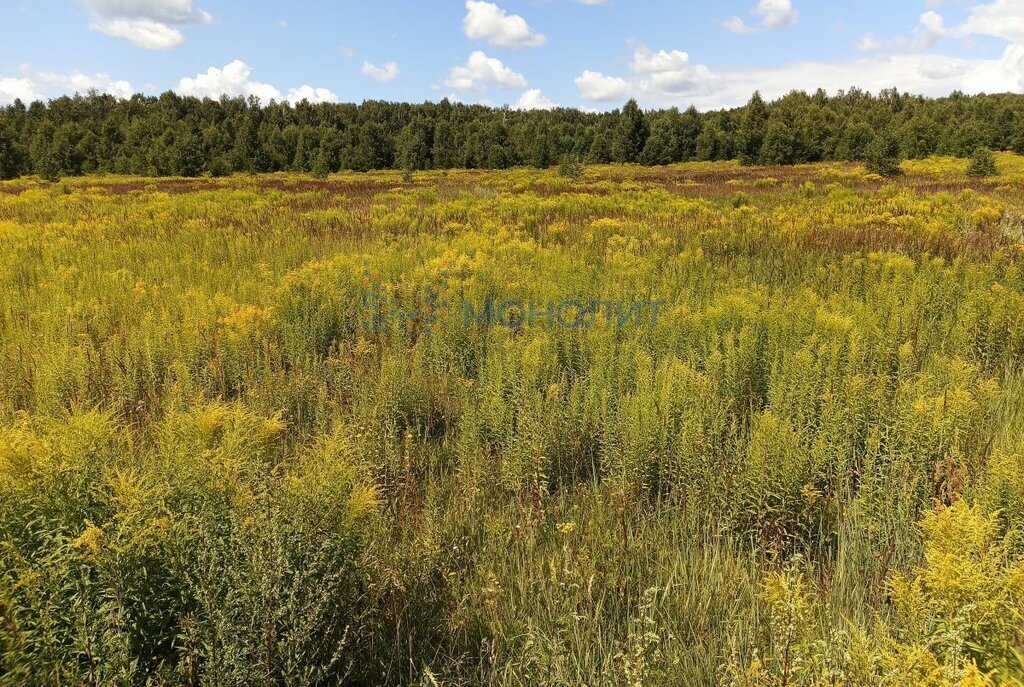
[[630, 134], [982, 163], [600, 151]]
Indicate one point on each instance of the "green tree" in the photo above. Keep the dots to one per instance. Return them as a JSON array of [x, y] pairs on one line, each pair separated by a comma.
[[855, 141], [539, 146], [661, 145], [962, 138], [11, 153], [600, 151], [688, 130], [372, 148], [413, 147], [245, 152], [779, 146], [306, 148], [919, 136], [883, 155], [630, 134], [570, 166], [712, 143], [186, 154], [446, 154], [497, 146], [752, 130], [982, 163]]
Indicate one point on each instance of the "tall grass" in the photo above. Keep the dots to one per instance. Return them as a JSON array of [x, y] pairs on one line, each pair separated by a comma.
[[220, 465]]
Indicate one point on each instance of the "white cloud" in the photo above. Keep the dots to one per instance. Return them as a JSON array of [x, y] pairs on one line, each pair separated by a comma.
[[77, 82], [775, 13], [346, 52], [665, 73], [1002, 19], [233, 80], [12, 88], [144, 33], [166, 11], [533, 99], [737, 25], [772, 14], [146, 23], [999, 19], [868, 43], [32, 85], [313, 95], [481, 71], [387, 72], [668, 78], [598, 87], [592, 2], [488, 22], [647, 62], [929, 30]]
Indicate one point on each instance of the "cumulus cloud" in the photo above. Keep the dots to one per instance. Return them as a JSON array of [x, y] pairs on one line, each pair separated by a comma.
[[908, 63], [313, 95], [1002, 19], [32, 85], [666, 78], [487, 22], [233, 80], [150, 24], [929, 30], [533, 99], [14, 88], [666, 72], [598, 87], [481, 71], [386, 72], [771, 14]]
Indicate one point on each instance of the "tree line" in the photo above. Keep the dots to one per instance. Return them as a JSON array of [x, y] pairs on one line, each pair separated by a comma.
[[171, 135]]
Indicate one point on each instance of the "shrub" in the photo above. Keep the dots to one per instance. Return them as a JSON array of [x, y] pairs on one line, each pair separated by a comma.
[[740, 200]]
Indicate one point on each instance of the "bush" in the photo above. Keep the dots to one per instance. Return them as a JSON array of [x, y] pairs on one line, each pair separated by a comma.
[[982, 163]]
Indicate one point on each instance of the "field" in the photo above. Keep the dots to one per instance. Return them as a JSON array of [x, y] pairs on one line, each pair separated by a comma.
[[696, 425]]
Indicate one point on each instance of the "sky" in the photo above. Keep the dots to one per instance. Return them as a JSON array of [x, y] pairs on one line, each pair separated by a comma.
[[592, 54]]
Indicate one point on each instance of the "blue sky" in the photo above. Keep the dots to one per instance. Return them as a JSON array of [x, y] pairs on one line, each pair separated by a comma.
[[526, 53]]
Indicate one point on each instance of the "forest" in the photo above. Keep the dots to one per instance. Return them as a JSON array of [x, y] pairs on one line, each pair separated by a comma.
[[172, 135]]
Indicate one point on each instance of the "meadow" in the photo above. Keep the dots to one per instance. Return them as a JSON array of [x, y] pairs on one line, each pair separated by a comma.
[[222, 464]]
